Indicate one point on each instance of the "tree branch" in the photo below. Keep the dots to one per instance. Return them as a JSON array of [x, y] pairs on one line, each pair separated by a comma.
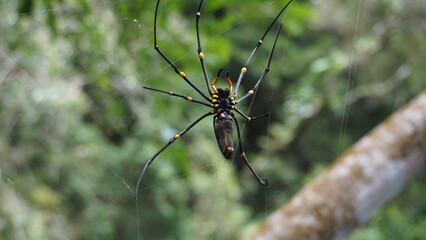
[[361, 181]]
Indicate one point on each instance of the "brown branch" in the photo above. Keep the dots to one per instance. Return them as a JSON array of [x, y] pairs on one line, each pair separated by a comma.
[[360, 182]]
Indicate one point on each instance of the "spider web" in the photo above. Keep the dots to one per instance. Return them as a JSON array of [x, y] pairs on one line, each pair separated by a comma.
[[76, 120]]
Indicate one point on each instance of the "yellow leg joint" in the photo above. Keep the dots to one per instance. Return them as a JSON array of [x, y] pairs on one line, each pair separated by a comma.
[[242, 154], [244, 69], [176, 137], [214, 89], [213, 84], [182, 74]]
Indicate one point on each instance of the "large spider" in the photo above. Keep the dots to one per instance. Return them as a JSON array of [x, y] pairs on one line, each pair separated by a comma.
[[221, 101]]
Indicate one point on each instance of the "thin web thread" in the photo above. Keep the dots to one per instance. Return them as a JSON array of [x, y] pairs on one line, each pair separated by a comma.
[[348, 97], [350, 80]]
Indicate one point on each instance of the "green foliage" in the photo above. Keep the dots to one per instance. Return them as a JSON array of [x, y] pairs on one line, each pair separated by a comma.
[[77, 126]]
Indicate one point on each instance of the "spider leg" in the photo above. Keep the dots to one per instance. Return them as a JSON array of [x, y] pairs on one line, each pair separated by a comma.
[[265, 72], [250, 118], [199, 50], [213, 87], [259, 43], [243, 155], [190, 99], [179, 72], [171, 140]]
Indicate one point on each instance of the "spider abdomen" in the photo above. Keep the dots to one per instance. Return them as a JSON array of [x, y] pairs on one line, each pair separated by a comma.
[[223, 129]]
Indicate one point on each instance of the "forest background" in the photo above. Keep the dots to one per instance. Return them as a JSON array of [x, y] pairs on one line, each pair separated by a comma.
[[77, 126]]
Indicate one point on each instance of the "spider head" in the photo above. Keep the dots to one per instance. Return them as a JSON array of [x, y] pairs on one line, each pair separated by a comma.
[[223, 93]]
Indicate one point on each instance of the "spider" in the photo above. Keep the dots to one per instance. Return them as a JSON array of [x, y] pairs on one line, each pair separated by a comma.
[[222, 101]]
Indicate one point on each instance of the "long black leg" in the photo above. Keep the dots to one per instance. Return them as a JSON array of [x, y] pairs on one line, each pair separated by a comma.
[[243, 155], [200, 51], [190, 99], [251, 92], [171, 140], [179, 72], [251, 118], [259, 43]]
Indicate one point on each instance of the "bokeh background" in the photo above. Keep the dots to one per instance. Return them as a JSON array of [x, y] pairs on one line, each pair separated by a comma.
[[77, 126]]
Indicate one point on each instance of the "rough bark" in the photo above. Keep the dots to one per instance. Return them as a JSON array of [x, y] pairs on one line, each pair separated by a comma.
[[361, 181]]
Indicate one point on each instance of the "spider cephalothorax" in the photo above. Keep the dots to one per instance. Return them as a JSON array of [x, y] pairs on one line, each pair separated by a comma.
[[222, 96], [221, 101], [224, 101]]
